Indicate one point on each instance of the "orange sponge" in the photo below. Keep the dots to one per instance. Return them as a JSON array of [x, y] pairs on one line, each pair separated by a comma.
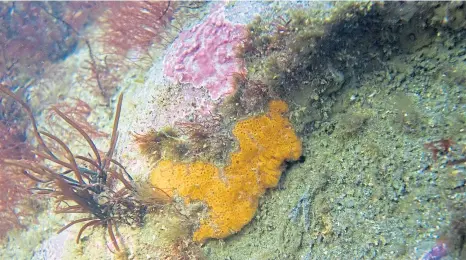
[[231, 193]]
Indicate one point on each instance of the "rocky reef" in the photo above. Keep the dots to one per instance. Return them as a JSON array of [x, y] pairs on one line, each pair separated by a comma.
[[248, 130]]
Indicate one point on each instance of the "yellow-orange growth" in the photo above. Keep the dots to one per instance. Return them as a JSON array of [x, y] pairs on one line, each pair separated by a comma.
[[232, 192]]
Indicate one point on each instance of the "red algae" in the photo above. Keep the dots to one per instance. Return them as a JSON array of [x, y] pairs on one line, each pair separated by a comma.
[[204, 55], [135, 25], [14, 195]]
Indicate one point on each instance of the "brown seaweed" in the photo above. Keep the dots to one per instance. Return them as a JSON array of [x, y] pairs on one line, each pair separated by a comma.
[[84, 184]]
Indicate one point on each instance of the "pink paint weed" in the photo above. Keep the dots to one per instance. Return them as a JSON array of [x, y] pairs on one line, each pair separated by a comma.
[[205, 55]]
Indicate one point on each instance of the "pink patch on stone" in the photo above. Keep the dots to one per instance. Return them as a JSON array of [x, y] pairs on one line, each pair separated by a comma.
[[205, 55]]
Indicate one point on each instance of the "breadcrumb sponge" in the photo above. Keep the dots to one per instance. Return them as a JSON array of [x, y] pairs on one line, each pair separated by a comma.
[[232, 192]]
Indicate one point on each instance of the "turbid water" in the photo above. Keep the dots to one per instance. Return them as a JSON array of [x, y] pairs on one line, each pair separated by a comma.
[[246, 130]]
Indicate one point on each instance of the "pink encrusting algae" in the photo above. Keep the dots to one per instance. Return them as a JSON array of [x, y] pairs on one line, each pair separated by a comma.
[[204, 56]]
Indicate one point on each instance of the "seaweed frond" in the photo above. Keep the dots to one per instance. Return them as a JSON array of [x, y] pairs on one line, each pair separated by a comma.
[[97, 185]]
